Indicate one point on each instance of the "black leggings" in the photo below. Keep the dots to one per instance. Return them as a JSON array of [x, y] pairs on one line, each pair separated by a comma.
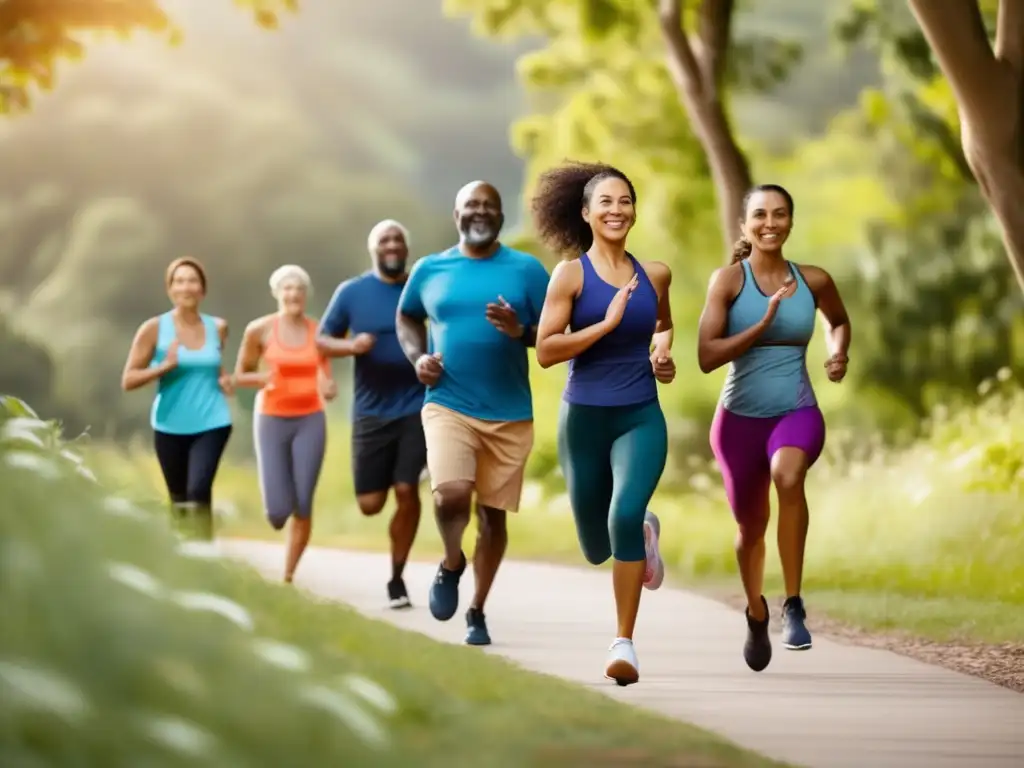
[[189, 463]]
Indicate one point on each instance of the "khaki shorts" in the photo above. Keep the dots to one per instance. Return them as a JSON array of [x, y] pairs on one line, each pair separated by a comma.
[[490, 454]]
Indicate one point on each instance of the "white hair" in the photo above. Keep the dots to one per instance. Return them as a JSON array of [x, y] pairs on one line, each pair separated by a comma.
[[289, 272], [373, 239]]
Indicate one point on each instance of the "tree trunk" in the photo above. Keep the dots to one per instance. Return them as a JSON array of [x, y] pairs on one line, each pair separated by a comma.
[[697, 69], [989, 90]]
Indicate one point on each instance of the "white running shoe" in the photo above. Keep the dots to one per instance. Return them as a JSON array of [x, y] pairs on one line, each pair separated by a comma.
[[622, 666], [654, 573]]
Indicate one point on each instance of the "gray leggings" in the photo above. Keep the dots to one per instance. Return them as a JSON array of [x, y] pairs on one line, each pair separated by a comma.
[[289, 455]]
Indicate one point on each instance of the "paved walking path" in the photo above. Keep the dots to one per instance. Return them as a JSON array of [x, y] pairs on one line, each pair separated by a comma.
[[836, 706]]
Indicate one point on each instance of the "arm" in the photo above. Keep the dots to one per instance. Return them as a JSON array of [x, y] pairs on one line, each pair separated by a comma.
[[830, 303], [664, 333], [537, 288], [335, 324], [714, 349], [247, 373], [222, 334], [411, 317], [137, 371], [555, 343]]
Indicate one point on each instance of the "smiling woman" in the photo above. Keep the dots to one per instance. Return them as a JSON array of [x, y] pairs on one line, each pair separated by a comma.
[[182, 351]]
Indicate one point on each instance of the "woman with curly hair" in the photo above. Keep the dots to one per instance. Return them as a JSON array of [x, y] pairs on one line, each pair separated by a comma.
[[603, 314]]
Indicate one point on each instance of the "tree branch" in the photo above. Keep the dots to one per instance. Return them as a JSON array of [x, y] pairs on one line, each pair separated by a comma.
[[1010, 34], [956, 34], [682, 63], [713, 34]]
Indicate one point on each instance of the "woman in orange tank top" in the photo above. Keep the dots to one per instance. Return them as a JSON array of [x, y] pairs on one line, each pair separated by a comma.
[[289, 425]]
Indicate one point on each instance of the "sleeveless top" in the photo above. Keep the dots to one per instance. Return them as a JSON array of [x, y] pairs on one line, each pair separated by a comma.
[[770, 379], [616, 370], [294, 388], [189, 399]]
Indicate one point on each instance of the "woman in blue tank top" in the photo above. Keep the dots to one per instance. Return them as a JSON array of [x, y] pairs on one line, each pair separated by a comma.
[[603, 314], [182, 351], [758, 319]]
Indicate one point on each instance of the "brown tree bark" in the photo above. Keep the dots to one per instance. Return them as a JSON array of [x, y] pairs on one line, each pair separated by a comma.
[[697, 67], [989, 89]]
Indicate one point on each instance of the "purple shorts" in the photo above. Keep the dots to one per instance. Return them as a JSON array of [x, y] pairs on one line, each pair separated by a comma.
[[744, 446]]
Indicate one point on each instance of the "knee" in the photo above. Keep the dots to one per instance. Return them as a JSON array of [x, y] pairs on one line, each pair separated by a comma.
[[751, 534], [371, 503], [627, 536], [454, 497], [493, 523], [200, 494], [788, 477], [595, 553], [407, 497], [278, 519]]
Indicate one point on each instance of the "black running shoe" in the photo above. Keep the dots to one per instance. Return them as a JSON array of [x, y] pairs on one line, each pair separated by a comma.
[[398, 596], [757, 651]]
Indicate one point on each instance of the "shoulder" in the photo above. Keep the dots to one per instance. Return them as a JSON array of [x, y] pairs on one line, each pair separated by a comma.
[[347, 287], [727, 280], [567, 276], [658, 272], [220, 324], [259, 326], [424, 265], [815, 277], [523, 258], [150, 328]]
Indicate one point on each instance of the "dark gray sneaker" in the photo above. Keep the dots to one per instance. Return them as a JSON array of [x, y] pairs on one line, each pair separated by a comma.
[[757, 651], [795, 635], [398, 595]]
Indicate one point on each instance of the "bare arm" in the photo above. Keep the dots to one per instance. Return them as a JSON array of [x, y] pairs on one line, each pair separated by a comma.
[[247, 373], [333, 347], [714, 348], [412, 335], [555, 343], [137, 371], [661, 277], [222, 334], [830, 303]]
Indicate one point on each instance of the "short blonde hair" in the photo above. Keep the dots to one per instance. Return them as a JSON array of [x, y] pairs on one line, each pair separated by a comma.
[[289, 272], [373, 239]]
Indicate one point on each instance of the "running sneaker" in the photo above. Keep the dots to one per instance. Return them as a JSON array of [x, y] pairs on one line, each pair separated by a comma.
[[757, 651], [476, 628], [654, 573], [444, 592], [398, 596], [795, 635], [623, 666]]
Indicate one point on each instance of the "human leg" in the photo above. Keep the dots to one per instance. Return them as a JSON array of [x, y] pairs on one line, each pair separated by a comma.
[[374, 452], [203, 462], [172, 455], [410, 460], [504, 449], [584, 455], [308, 445], [273, 438], [638, 456], [452, 447], [739, 445], [794, 446]]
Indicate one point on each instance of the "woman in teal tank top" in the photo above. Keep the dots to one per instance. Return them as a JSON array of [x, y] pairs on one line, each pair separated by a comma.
[[182, 351], [759, 317]]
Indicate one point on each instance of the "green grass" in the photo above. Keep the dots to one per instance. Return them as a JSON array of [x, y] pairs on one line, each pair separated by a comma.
[[120, 645], [925, 539]]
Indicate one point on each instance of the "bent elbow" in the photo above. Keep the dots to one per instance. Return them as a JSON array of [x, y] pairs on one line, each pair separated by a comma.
[[705, 363], [544, 360]]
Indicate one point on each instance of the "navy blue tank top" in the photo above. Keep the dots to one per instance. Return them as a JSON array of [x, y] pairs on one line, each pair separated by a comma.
[[616, 370]]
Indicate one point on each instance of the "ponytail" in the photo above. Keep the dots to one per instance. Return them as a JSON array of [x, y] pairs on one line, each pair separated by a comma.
[[741, 250]]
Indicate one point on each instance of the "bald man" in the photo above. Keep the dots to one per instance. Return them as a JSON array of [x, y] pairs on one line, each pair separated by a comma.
[[482, 300], [388, 448]]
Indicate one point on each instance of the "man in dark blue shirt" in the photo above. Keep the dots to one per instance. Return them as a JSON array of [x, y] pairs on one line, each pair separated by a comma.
[[388, 447]]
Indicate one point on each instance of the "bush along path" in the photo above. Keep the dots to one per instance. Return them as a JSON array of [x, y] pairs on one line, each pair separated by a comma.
[[836, 706]]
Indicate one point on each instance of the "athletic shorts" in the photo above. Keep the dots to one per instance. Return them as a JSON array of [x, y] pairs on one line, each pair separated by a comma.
[[490, 454], [387, 452]]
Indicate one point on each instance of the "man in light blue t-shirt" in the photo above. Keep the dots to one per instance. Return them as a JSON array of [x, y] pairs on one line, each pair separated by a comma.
[[482, 301]]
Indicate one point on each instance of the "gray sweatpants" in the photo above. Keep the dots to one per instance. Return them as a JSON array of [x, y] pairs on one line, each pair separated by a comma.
[[289, 455]]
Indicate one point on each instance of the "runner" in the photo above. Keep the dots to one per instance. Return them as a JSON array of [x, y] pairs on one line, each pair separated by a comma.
[[483, 301], [182, 351], [289, 424], [388, 450], [603, 315], [759, 318]]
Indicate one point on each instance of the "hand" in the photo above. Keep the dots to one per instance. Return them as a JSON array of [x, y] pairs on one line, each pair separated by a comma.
[[835, 366], [171, 360], [503, 317], [329, 389], [617, 307], [773, 301], [429, 368], [227, 384], [363, 343], [664, 366]]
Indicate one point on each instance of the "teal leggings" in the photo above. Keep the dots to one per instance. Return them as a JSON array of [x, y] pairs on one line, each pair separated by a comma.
[[612, 458]]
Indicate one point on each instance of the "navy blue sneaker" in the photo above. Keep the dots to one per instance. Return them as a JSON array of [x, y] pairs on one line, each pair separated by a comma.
[[757, 651], [444, 592], [795, 635], [476, 628]]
